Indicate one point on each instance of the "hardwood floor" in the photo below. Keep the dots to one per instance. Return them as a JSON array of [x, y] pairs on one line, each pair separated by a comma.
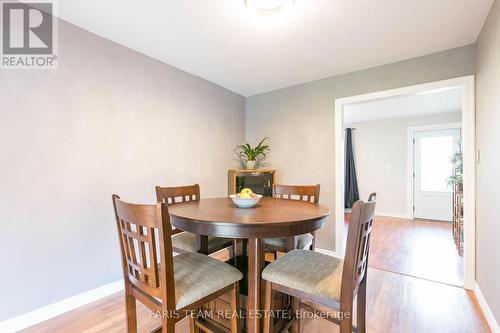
[[396, 303], [403, 304], [418, 248]]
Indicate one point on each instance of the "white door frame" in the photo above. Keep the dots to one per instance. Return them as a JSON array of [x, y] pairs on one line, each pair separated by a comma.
[[410, 193], [467, 83]]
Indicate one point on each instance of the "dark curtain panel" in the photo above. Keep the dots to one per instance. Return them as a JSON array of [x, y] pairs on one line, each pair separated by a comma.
[[351, 194]]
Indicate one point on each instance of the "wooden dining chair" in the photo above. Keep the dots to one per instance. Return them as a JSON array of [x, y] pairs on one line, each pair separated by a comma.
[[308, 193], [184, 241], [170, 286], [314, 279]]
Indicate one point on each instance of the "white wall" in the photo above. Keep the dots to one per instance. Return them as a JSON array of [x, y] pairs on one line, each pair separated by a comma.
[[380, 150], [488, 170], [300, 119], [107, 120]]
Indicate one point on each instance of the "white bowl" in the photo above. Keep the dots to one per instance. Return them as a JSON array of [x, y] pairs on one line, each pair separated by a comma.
[[245, 202]]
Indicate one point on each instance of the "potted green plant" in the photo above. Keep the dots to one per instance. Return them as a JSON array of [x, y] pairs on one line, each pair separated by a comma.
[[457, 178], [250, 155]]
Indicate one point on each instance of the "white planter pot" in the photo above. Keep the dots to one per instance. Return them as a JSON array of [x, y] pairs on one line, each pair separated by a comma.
[[250, 165]]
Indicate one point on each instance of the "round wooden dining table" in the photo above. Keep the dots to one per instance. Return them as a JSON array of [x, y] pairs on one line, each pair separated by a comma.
[[271, 218]]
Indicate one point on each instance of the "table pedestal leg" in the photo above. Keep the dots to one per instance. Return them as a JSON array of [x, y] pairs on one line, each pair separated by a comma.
[[291, 243], [201, 244], [256, 262]]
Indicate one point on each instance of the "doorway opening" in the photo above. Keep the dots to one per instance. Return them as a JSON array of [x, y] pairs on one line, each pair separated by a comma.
[[433, 151], [415, 147]]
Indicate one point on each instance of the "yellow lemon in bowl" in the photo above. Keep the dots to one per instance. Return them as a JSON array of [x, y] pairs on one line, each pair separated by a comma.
[[246, 191], [246, 198]]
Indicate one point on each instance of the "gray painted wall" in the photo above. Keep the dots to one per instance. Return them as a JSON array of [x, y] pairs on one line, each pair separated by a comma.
[[488, 176], [108, 120], [381, 143], [112, 120], [300, 119]]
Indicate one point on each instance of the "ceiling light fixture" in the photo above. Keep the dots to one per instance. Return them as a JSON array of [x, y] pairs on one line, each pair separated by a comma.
[[269, 7]]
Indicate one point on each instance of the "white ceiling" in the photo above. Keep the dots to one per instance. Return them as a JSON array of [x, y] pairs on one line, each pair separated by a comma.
[[221, 41], [431, 102]]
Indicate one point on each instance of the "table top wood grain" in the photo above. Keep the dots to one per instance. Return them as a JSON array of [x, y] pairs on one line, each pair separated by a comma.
[[272, 217]]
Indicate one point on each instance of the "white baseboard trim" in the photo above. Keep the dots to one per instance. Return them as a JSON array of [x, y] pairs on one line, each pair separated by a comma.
[[401, 216], [328, 252], [55, 309], [488, 314]]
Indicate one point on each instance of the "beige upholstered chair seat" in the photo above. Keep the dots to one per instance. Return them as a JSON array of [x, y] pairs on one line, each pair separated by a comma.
[[302, 242], [197, 276], [186, 241], [311, 272]]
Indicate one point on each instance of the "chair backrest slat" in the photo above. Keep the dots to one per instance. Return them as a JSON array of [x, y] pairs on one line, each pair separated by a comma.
[[308, 193], [358, 246], [177, 194], [142, 229], [172, 195]]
